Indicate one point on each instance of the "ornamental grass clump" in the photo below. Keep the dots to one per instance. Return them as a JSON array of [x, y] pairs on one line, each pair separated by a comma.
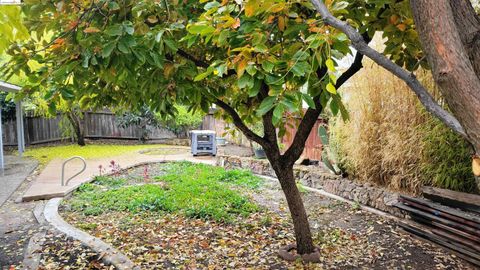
[[392, 141]]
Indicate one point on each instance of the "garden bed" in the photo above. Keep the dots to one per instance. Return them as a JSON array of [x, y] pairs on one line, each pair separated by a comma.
[[173, 215]]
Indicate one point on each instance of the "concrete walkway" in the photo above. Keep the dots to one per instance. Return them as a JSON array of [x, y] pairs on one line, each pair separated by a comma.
[[48, 184], [16, 170]]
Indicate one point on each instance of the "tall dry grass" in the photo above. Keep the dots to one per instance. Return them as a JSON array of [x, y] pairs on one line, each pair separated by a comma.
[[388, 140]]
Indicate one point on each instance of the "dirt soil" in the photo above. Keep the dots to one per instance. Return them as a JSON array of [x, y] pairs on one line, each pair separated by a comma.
[[349, 238]]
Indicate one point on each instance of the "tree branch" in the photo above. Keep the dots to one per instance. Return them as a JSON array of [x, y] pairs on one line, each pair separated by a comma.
[[304, 128], [239, 123], [355, 66], [198, 62], [358, 43]]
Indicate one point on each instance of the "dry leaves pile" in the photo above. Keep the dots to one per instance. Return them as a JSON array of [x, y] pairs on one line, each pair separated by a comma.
[[61, 252]]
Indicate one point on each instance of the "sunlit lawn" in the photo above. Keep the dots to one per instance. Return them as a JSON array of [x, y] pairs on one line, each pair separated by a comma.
[[47, 153]]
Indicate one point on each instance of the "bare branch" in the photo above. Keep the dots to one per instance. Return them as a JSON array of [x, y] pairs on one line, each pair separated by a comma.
[[359, 43]]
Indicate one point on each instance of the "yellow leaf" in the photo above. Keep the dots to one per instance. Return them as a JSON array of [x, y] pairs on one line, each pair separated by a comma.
[[152, 19], [250, 7], [236, 24], [402, 27], [394, 19], [277, 7], [91, 30], [168, 70], [241, 67], [476, 165], [281, 23]]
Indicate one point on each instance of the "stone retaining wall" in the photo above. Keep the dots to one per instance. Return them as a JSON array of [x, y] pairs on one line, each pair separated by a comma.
[[316, 177]]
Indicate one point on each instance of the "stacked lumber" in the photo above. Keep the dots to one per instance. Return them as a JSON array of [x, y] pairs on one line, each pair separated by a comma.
[[462, 200], [451, 228]]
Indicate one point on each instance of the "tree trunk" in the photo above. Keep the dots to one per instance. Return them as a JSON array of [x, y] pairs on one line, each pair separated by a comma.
[[299, 216], [450, 39], [77, 127]]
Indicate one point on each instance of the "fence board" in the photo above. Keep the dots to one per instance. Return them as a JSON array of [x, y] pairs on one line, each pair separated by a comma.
[[96, 125]]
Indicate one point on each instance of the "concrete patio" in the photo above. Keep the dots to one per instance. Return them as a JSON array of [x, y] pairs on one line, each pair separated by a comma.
[[15, 172]]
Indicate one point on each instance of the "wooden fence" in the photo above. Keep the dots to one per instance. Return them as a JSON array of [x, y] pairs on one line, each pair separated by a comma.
[[97, 125]]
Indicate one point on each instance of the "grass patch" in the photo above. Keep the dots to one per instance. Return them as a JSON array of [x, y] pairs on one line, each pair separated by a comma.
[[194, 190], [47, 153]]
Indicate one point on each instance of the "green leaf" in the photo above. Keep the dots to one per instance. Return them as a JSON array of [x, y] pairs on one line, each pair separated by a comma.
[[255, 89], [67, 93], [246, 81], [278, 113], [301, 68], [309, 100], [171, 44], [108, 48], [261, 48], [251, 69], [122, 46], [85, 61], [200, 29], [268, 66], [322, 133], [49, 94], [159, 35], [140, 55], [334, 107], [266, 105], [289, 104], [222, 38], [52, 108], [203, 75], [114, 30], [113, 6], [331, 88]]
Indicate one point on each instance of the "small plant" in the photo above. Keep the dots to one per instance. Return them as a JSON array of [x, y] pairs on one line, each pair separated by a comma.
[[301, 188], [115, 168], [356, 206], [266, 221], [146, 176], [326, 153]]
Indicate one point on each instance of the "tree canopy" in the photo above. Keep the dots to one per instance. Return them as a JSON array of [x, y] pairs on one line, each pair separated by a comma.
[[198, 52]]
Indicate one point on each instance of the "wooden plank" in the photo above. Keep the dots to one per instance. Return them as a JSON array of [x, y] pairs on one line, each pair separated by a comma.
[[465, 254], [444, 221], [442, 214], [453, 198], [444, 209], [463, 237]]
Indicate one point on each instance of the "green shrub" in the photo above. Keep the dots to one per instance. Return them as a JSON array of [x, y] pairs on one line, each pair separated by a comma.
[[183, 121], [446, 159]]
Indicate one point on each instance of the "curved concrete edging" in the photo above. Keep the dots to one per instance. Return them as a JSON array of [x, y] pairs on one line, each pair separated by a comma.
[[111, 255]]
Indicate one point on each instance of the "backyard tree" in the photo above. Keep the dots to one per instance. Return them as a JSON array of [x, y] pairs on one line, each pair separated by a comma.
[[259, 61]]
